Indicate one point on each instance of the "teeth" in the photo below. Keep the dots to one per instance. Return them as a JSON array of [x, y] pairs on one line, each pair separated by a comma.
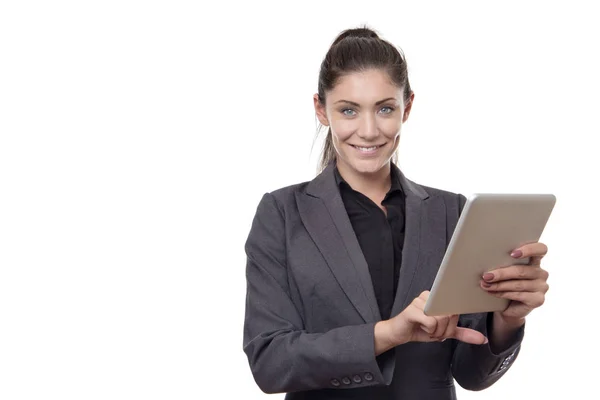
[[366, 148]]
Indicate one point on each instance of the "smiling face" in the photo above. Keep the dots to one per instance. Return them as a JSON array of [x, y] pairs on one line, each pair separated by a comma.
[[365, 112]]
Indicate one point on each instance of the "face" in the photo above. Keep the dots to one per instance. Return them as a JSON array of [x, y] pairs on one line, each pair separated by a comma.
[[365, 112]]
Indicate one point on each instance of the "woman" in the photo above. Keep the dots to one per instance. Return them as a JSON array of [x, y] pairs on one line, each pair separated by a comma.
[[338, 268]]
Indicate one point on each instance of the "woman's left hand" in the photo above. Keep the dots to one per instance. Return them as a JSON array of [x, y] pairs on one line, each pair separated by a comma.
[[524, 285]]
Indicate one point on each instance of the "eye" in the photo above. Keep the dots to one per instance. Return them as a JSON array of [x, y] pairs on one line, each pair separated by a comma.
[[387, 110], [348, 112]]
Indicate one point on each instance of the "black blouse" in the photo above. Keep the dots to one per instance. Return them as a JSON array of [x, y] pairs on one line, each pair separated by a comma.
[[380, 237]]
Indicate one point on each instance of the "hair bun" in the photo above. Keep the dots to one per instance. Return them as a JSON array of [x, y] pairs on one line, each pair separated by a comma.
[[356, 33]]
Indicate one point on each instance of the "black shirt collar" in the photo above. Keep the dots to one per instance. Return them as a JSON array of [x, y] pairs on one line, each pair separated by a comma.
[[396, 186]]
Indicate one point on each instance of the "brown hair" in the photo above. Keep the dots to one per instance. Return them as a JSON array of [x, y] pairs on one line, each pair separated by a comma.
[[356, 50]]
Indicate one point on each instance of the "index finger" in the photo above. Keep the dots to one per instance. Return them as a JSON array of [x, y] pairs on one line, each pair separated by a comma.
[[513, 272], [469, 336], [535, 250]]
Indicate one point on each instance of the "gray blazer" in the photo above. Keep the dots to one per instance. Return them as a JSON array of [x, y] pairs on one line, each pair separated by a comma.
[[311, 308]]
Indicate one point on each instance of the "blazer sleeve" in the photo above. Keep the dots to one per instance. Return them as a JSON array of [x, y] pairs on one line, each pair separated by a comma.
[[283, 357], [476, 367]]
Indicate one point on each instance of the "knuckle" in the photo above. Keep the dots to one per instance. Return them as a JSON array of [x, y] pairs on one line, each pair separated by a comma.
[[521, 272], [545, 274], [540, 300], [517, 296], [431, 325]]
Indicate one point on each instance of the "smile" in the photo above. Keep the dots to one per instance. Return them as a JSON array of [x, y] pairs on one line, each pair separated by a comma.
[[367, 149]]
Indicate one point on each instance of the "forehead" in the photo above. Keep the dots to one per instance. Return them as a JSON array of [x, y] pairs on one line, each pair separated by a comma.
[[367, 86]]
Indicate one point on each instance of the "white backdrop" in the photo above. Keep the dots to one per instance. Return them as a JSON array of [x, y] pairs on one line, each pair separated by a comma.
[[137, 137]]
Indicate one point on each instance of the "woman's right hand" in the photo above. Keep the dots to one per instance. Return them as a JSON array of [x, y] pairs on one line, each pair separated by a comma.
[[412, 325]]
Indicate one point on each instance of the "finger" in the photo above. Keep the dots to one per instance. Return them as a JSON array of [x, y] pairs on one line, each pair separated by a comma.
[[442, 325], [428, 325], [414, 315], [441, 321], [516, 285], [424, 295], [536, 261], [469, 336], [532, 300], [451, 327], [535, 250], [419, 303], [515, 272]]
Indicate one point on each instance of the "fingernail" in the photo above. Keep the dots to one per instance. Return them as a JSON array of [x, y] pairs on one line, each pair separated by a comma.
[[516, 254], [486, 341], [486, 285], [488, 276]]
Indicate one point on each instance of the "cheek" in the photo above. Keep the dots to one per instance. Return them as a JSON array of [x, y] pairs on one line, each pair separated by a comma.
[[343, 129], [390, 127]]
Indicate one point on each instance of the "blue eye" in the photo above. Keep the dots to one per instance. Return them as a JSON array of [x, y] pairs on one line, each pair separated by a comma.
[[348, 112], [389, 110]]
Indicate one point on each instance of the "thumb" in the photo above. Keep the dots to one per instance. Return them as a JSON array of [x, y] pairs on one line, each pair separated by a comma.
[[469, 336]]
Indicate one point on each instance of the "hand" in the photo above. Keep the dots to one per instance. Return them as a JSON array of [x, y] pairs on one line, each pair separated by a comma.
[[412, 325], [524, 285]]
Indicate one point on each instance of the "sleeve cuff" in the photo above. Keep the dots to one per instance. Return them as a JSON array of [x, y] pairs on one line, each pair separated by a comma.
[[500, 359], [366, 369], [381, 367]]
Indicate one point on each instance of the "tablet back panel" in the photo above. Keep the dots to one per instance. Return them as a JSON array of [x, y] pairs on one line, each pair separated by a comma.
[[489, 228]]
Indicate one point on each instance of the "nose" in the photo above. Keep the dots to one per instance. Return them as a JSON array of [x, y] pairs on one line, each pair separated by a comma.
[[368, 127]]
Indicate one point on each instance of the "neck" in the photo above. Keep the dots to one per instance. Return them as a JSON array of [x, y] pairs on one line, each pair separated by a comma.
[[374, 183]]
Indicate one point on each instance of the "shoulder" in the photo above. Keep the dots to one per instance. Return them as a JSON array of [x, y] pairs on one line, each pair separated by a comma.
[[452, 200], [281, 199], [286, 194], [437, 192]]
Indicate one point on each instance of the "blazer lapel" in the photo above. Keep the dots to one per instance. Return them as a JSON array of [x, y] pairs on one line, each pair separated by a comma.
[[424, 241], [323, 213]]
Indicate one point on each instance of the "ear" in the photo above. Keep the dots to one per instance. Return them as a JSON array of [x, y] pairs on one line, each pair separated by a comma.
[[408, 107], [320, 110]]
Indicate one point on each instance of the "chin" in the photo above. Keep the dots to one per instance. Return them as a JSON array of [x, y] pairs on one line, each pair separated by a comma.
[[367, 166]]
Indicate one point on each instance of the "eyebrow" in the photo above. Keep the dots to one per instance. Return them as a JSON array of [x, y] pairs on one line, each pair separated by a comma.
[[358, 105]]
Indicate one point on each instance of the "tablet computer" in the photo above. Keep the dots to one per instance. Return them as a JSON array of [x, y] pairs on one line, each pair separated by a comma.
[[489, 228]]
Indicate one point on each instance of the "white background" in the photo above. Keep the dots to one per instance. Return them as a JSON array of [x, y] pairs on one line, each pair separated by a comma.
[[137, 137]]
